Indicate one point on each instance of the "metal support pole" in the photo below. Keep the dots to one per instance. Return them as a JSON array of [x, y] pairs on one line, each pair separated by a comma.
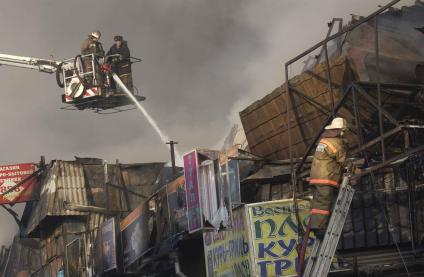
[[120, 183], [40, 223], [106, 186], [42, 162], [411, 205], [357, 119], [406, 139], [288, 119], [315, 103], [377, 71], [329, 82], [361, 142], [293, 180], [340, 42], [171, 146]]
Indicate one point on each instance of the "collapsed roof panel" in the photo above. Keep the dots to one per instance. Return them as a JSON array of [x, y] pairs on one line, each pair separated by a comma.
[[265, 121]]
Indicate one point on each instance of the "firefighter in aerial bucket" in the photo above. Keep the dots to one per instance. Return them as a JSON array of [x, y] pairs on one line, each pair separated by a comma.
[[326, 174], [120, 58], [92, 45]]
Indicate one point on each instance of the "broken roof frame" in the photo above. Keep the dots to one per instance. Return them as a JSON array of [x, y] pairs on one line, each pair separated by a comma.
[[354, 89]]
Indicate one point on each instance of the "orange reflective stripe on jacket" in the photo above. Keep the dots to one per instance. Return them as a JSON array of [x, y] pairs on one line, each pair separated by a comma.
[[329, 144], [318, 211], [324, 182]]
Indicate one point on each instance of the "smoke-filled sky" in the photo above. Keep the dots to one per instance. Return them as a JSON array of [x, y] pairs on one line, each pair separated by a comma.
[[203, 62]]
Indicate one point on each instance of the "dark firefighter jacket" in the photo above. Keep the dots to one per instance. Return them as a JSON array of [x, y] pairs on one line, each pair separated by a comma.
[[123, 64], [329, 157], [90, 46]]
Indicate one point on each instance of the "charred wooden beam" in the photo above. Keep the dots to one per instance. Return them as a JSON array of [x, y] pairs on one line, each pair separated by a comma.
[[404, 155], [84, 208], [372, 102], [377, 140], [126, 190], [316, 104]]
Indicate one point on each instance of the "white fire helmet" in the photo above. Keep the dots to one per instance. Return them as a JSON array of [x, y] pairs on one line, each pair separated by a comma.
[[96, 34], [337, 123]]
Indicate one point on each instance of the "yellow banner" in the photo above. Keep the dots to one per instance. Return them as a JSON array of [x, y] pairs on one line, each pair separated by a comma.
[[273, 231], [227, 252]]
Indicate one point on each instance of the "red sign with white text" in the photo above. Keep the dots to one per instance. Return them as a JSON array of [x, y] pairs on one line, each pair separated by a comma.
[[10, 176]]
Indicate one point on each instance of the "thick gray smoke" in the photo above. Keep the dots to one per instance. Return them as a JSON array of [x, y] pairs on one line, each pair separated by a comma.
[[203, 61]]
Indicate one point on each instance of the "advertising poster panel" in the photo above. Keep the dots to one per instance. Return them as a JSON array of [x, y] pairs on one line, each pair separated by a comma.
[[177, 205], [273, 233], [194, 213], [230, 171], [10, 176], [227, 251], [135, 234], [108, 242]]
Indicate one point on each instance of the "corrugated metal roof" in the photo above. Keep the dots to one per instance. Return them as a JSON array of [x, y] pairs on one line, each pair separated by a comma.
[[64, 184], [82, 183]]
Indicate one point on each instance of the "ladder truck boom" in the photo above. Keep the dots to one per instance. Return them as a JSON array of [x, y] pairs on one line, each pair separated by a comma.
[[86, 80], [42, 65]]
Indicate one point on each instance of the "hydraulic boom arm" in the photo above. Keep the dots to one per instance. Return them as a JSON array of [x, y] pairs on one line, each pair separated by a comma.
[[47, 66]]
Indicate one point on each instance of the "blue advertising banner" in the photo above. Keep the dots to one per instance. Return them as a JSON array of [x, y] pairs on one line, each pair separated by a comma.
[[177, 205], [108, 234], [135, 234], [106, 256]]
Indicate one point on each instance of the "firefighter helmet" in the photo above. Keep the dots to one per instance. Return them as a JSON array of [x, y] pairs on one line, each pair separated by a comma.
[[118, 38], [96, 34], [337, 123]]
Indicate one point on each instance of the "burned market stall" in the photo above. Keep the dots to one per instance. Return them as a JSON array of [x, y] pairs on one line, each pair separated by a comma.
[[78, 200], [370, 73], [22, 258]]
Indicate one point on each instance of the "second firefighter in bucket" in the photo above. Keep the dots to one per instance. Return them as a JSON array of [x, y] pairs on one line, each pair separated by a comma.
[[121, 62], [326, 174]]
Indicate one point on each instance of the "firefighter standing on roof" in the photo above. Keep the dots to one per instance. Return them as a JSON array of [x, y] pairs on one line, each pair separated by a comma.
[[326, 173], [121, 63]]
